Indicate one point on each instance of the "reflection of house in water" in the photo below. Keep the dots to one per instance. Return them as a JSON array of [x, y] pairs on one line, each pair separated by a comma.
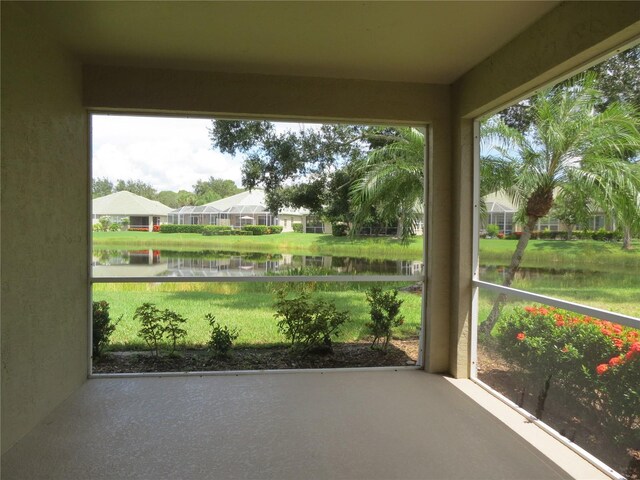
[[234, 266], [143, 263], [132, 263]]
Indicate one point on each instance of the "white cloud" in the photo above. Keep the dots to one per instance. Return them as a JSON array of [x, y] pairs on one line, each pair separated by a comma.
[[170, 153]]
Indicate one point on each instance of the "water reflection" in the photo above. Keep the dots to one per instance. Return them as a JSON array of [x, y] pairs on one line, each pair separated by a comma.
[[207, 263]]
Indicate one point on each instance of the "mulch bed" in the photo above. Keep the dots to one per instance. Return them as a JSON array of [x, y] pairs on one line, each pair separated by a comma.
[[574, 421], [344, 355]]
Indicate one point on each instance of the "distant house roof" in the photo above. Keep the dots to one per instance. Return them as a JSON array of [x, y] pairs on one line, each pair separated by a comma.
[[499, 202], [245, 202], [127, 203]]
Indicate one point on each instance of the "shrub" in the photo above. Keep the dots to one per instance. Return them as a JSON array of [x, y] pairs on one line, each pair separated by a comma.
[[500, 235], [209, 230], [385, 314], [297, 227], [308, 325], [138, 229], [102, 327], [339, 229], [97, 227], [275, 229], [256, 229], [152, 329], [157, 324], [105, 221], [221, 339], [492, 230], [596, 361], [171, 328], [173, 228], [125, 222], [114, 227]]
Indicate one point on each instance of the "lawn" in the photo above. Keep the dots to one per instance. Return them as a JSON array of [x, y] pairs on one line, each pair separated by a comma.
[[248, 307], [298, 243], [612, 284]]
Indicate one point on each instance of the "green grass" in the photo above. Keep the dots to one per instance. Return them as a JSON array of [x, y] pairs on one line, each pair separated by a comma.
[[579, 254], [296, 243], [248, 307]]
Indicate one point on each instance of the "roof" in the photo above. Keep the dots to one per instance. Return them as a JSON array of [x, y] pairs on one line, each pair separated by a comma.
[[127, 203], [248, 202], [499, 202]]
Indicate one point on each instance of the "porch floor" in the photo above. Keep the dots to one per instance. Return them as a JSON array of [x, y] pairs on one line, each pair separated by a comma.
[[304, 425]]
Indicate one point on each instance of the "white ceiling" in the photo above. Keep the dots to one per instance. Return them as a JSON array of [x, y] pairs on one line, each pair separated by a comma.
[[432, 42]]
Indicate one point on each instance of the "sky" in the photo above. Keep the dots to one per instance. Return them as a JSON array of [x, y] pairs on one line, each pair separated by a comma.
[[167, 152]]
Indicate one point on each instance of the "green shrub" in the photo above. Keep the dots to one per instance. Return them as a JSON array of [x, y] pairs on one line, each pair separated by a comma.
[[173, 228], [152, 329], [308, 325], [171, 328], [339, 229], [125, 222], [97, 227], [114, 227], [241, 232], [275, 229], [297, 227], [493, 230], [385, 314], [102, 327], [209, 230], [256, 229], [221, 338], [105, 221], [596, 361]]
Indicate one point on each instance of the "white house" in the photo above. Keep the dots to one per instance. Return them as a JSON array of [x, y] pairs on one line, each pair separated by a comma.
[[246, 208], [142, 212]]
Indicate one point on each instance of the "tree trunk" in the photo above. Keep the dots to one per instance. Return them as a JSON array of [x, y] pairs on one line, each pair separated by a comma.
[[516, 259], [626, 238], [569, 232]]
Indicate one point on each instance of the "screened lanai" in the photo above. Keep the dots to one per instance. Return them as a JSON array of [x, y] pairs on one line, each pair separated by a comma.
[[236, 211]]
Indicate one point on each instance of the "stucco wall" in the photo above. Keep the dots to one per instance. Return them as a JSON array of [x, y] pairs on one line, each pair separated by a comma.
[[44, 226]]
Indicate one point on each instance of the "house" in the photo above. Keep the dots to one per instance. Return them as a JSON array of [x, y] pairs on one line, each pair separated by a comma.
[[501, 211], [141, 212], [440, 65], [247, 208]]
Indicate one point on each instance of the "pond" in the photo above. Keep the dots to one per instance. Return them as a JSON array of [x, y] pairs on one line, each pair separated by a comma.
[[216, 263]]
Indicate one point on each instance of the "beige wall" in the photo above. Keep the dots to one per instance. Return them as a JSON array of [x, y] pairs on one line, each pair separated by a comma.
[[44, 226]]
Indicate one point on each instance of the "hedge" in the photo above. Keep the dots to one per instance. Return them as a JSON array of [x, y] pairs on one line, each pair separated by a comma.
[[600, 235], [173, 228], [297, 227]]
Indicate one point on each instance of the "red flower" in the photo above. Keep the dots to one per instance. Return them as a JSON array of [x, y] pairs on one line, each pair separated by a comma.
[[600, 369], [618, 343], [520, 336], [543, 311], [630, 354], [530, 309], [635, 347], [615, 361]]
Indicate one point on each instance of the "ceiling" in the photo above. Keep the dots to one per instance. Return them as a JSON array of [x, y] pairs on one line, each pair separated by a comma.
[[431, 42]]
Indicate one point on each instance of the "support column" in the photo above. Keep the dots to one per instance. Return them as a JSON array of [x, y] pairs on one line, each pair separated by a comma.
[[151, 223]]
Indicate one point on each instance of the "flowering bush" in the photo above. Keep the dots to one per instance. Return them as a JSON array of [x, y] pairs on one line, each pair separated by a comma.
[[596, 361], [156, 228]]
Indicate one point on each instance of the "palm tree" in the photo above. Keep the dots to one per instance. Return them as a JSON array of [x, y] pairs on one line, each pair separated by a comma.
[[568, 143], [391, 181]]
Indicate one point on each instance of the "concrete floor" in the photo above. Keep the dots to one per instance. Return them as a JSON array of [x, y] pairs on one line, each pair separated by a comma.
[[308, 425]]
